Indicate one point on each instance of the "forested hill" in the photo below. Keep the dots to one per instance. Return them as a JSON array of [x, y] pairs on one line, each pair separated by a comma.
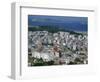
[[51, 29]]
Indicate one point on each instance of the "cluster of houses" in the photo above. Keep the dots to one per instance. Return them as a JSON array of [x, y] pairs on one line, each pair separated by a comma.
[[60, 47]]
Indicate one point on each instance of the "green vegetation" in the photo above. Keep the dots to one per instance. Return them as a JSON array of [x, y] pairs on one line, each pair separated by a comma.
[[51, 29], [76, 61], [39, 62]]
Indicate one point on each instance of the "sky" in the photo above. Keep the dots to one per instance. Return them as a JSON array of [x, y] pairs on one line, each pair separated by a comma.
[[66, 22]]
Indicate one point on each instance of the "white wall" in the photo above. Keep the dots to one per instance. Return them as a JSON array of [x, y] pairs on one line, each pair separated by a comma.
[[5, 34]]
